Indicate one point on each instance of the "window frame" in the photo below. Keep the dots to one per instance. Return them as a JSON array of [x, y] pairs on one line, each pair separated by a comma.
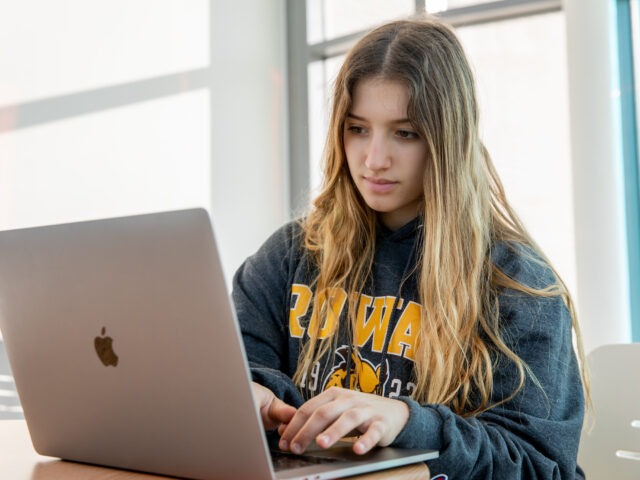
[[628, 58]]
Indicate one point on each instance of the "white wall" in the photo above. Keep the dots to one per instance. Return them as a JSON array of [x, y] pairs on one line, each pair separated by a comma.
[[597, 173], [249, 140], [115, 108]]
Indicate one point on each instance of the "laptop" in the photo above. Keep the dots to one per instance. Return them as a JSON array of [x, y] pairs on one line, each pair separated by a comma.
[[126, 353]]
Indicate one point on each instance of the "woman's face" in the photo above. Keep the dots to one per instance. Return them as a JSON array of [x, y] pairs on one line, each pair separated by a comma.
[[386, 156]]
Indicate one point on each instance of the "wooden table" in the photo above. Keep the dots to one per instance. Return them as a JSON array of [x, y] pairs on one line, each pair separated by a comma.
[[19, 461]]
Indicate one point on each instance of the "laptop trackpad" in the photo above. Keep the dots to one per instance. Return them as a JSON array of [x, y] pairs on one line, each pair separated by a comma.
[[315, 455]]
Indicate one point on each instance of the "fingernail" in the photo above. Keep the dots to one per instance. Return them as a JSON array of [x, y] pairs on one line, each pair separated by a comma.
[[322, 440], [359, 447], [283, 445], [296, 448]]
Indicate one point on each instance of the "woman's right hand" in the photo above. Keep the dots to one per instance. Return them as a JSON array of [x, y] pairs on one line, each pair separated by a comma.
[[273, 411]]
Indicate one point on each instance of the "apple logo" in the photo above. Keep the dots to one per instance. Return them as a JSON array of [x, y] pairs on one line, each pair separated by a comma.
[[104, 349]]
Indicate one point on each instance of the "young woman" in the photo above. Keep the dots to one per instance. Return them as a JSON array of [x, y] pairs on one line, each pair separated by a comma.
[[410, 305]]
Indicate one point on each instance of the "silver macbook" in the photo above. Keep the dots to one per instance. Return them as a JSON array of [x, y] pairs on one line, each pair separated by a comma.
[[126, 353]]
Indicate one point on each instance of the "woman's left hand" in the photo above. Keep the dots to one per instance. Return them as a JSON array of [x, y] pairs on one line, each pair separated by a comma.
[[336, 412]]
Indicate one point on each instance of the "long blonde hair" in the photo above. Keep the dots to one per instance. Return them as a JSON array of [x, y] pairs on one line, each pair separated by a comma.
[[465, 214]]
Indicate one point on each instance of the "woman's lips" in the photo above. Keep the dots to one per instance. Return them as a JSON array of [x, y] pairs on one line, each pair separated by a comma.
[[379, 185]]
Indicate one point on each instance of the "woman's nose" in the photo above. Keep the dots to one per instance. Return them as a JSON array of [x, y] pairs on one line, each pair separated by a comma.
[[378, 155]]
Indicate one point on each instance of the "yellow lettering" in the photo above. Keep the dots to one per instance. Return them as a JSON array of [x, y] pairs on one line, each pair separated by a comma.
[[376, 324], [302, 295], [404, 339], [337, 299]]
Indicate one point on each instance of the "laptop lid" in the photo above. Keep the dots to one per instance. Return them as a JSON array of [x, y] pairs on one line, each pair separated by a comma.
[[125, 350]]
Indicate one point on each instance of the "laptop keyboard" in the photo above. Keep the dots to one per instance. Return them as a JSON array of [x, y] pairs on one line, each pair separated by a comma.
[[285, 460]]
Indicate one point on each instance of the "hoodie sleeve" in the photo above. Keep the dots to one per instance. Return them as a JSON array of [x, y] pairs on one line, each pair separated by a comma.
[[536, 434], [260, 295]]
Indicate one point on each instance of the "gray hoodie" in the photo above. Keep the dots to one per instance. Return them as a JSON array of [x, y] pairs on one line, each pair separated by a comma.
[[534, 435]]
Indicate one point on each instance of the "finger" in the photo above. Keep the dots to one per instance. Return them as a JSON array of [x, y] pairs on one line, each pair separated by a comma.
[[351, 419], [281, 412], [302, 415], [300, 438], [370, 438], [262, 395], [311, 419]]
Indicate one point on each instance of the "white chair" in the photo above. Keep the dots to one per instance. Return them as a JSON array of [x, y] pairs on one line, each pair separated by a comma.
[[9, 403], [610, 443]]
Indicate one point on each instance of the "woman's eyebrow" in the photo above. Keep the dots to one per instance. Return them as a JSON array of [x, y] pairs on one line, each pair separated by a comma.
[[362, 119], [355, 117]]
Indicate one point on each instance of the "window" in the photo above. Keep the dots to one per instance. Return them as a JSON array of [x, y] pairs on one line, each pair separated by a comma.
[[524, 120], [328, 19]]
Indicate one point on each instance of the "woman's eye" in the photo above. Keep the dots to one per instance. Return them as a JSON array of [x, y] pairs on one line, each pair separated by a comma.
[[408, 134], [358, 130]]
